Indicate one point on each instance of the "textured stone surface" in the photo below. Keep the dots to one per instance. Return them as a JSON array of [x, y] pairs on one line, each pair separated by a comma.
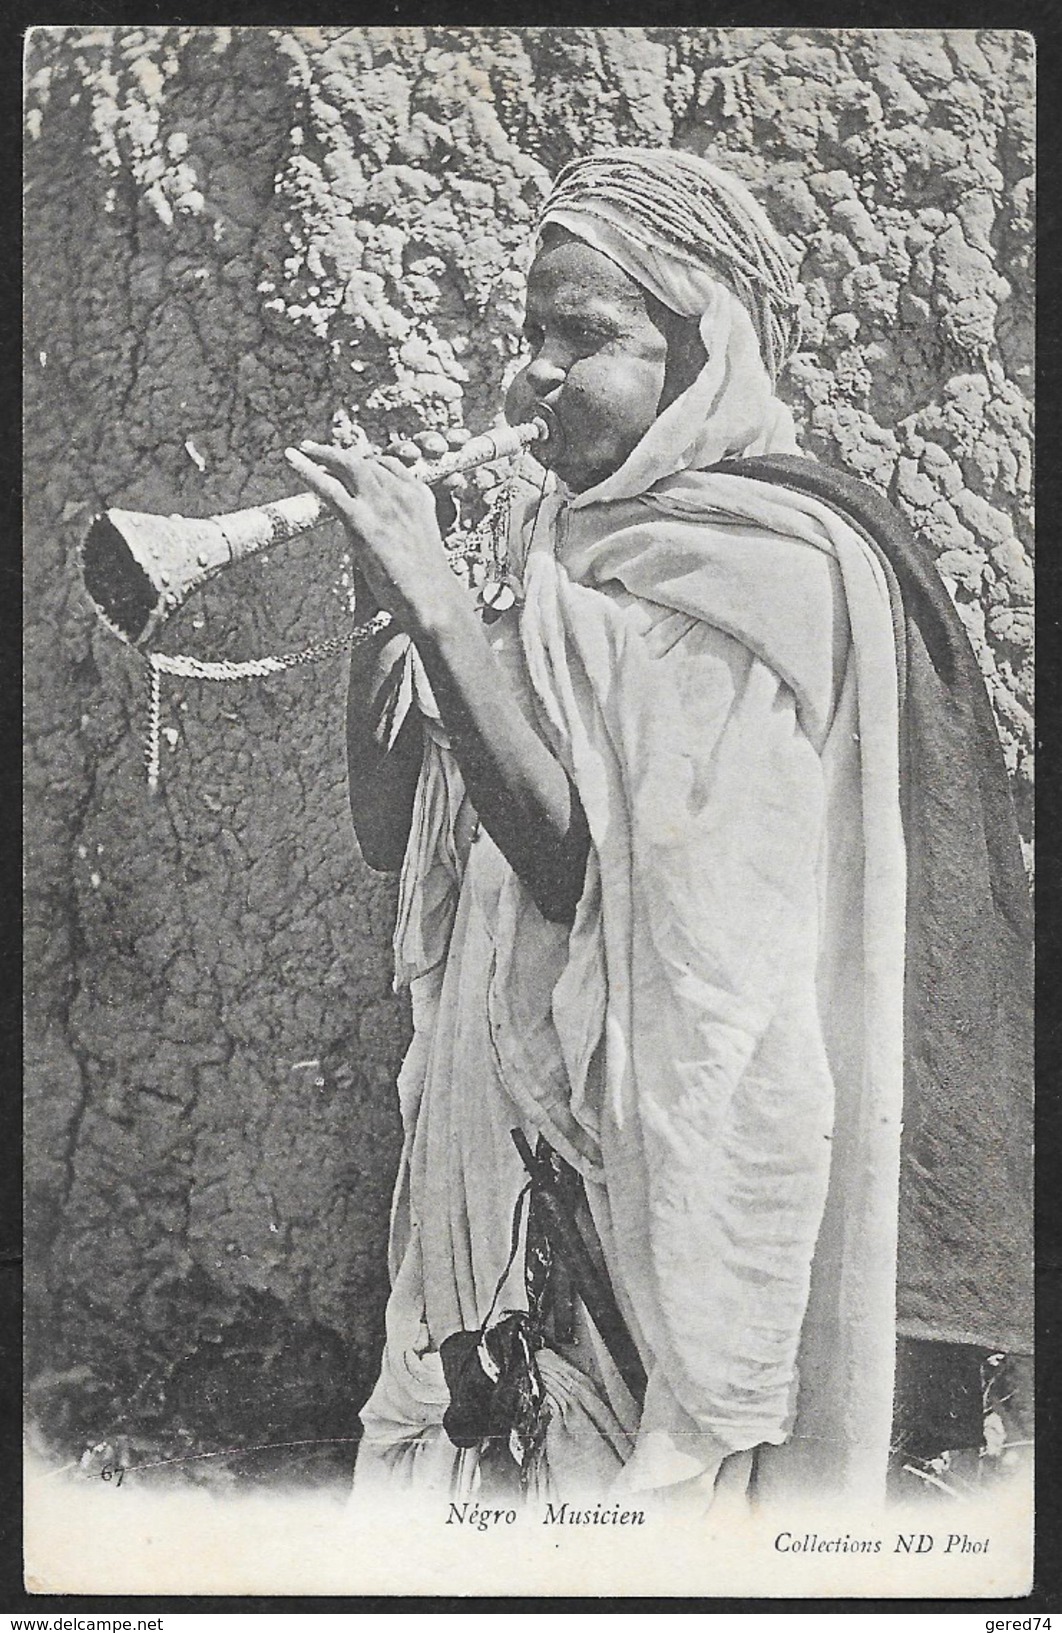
[[232, 235]]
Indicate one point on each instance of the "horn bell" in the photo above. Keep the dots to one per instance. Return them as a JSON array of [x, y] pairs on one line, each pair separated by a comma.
[[139, 568]]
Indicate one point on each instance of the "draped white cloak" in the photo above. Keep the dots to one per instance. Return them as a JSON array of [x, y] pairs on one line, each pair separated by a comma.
[[716, 1043]]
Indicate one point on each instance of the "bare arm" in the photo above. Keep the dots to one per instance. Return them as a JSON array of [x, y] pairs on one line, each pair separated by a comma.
[[381, 781], [521, 793], [519, 789]]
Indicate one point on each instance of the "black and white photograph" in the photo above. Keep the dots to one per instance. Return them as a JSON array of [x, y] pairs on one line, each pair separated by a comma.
[[528, 783]]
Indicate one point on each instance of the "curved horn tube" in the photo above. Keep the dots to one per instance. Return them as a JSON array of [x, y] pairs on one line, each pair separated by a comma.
[[138, 568]]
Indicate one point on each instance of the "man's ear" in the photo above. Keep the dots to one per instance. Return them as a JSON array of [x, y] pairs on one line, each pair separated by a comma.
[[686, 355]]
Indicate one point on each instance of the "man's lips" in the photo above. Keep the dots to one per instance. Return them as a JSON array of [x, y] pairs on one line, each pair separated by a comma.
[[552, 447]]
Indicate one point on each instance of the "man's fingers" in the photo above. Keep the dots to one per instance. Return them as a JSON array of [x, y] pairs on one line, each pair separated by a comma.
[[396, 466], [352, 466], [414, 492], [337, 485], [348, 463], [328, 486]]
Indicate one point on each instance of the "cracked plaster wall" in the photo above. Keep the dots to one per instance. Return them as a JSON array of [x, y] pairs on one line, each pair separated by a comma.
[[231, 236]]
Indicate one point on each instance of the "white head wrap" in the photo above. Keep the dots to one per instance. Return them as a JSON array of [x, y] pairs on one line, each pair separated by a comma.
[[678, 212], [697, 241]]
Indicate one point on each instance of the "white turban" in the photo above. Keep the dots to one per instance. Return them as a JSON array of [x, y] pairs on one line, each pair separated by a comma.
[[698, 241], [684, 223]]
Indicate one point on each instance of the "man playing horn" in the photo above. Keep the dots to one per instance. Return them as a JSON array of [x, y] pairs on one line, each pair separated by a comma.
[[660, 912]]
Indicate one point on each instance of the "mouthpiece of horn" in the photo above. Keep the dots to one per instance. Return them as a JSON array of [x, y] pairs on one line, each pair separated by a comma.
[[138, 568]]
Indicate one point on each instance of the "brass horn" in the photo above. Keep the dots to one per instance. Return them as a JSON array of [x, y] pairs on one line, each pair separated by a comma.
[[139, 568]]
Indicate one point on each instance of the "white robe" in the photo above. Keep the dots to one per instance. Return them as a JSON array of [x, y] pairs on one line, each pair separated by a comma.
[[716, 1043]]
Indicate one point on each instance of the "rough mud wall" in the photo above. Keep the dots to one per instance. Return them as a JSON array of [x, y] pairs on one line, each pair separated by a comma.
[[232, 236]]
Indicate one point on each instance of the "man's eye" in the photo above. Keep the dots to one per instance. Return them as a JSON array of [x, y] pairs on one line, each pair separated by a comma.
[[585, 333]]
